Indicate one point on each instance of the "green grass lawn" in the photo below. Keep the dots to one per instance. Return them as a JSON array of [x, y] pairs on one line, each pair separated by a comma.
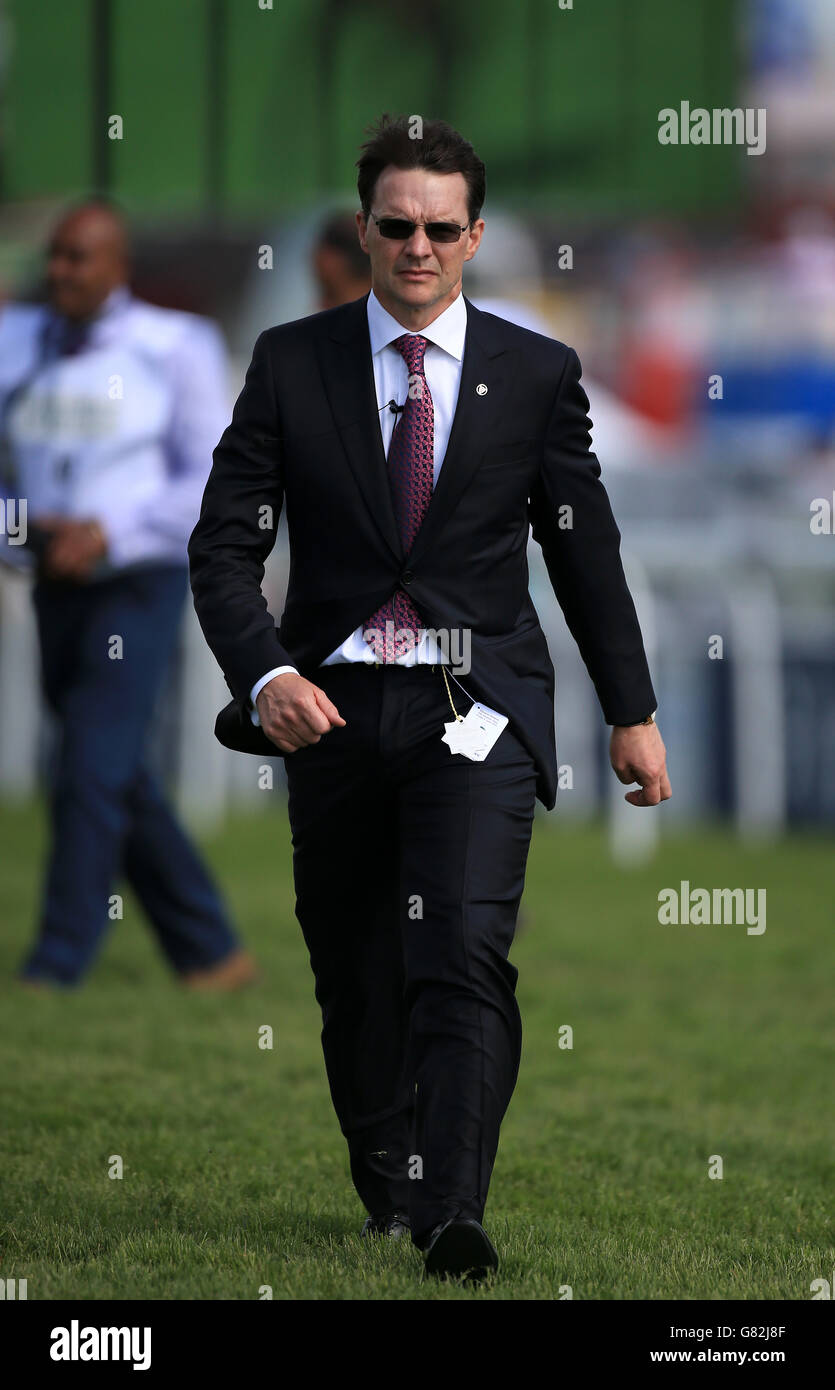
[[688, 1042]]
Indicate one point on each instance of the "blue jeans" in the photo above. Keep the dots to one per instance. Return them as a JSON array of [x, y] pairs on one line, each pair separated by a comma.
[[109, 817]]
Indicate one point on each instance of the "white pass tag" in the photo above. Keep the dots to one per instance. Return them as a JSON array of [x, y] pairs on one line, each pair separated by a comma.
[[475, 734]]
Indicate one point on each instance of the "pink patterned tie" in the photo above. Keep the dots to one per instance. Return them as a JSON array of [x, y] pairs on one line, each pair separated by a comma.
[[410, 466]]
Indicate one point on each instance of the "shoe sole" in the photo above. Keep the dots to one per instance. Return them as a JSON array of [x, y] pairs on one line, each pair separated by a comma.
[[461, 1251]]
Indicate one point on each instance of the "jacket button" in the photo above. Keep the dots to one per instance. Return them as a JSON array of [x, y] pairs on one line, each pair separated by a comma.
[[407, 577]]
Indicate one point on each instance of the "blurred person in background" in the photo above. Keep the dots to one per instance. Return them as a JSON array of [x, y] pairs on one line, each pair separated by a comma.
[[341, 268], [109, 410]]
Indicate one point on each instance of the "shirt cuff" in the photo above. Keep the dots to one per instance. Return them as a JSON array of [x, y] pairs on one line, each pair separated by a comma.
[[259, 686]]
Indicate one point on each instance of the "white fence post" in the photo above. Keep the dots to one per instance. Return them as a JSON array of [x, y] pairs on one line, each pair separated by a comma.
[[202, 763], [758, 711], [20, 701]]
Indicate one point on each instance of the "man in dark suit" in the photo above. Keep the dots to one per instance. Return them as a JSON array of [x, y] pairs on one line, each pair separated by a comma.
[[415, 440]]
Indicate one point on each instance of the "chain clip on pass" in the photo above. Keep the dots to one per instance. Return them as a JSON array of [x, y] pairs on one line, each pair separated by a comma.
[[459, 717], [473, 734]]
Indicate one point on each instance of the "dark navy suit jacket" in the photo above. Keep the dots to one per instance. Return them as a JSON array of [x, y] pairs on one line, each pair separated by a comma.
[[305, 433]]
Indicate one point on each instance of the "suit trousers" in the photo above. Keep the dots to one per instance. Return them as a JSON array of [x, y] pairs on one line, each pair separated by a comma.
[[409, 866]]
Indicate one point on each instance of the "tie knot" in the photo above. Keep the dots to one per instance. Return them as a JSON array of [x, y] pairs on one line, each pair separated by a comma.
[[412, 348]]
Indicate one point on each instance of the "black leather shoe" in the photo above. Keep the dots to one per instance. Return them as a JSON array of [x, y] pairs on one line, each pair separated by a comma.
[[460, 1248], [394, 1224]]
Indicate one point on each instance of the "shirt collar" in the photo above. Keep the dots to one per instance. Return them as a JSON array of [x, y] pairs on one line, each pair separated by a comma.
[[447, 331], [118, 299], [99, 326], [109, 310]]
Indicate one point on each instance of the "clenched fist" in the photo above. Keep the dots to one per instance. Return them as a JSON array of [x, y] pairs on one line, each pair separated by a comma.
[[294, 712]]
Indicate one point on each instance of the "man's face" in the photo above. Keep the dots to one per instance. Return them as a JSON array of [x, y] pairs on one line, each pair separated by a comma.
[[85, 261], [418, 277]]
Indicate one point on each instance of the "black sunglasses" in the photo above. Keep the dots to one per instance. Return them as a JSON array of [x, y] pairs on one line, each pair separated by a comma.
[[400, 229]]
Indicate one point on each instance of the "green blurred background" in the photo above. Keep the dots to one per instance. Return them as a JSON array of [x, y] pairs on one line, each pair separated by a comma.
[[228, 107]]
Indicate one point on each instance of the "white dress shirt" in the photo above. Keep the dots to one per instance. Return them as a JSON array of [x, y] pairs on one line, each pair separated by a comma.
[[442, 365], [122, 431]]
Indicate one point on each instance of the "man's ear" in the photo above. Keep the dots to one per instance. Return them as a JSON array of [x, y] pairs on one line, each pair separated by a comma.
[[475, 231]]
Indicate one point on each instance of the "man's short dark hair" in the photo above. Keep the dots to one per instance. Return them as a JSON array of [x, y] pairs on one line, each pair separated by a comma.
[[439, 148]]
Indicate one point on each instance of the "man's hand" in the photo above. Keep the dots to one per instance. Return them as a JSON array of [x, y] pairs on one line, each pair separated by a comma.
[[294, 712], [638, 754], [73, 547]]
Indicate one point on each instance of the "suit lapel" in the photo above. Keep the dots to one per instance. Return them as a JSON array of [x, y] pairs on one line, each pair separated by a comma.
[[478, 415], [348, 377]]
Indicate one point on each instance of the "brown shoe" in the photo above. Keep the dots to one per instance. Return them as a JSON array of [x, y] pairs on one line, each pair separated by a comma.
[[233, 972]]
